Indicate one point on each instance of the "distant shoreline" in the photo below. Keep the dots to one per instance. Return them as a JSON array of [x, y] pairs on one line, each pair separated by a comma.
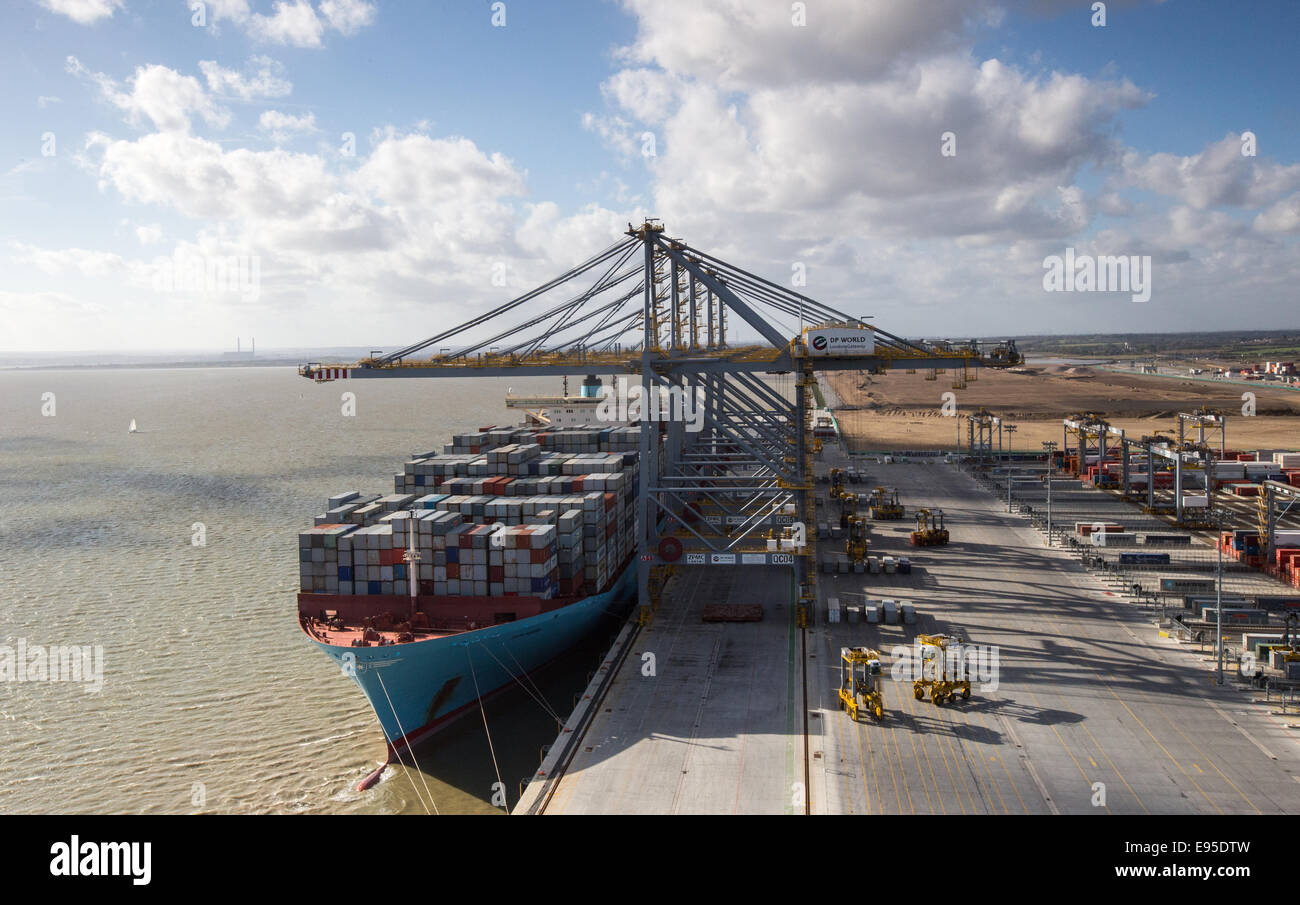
[[161, 365]]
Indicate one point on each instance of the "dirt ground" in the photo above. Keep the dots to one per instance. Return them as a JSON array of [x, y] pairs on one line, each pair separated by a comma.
[[897, 410]]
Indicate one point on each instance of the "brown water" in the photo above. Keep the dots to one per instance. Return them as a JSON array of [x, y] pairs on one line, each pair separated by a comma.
[[207, 678]]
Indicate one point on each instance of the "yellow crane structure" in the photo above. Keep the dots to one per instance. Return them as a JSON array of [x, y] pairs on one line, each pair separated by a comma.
[[848, 501], [930, 531], [885, 505], [861, 682], [855, 543], [940, 671]]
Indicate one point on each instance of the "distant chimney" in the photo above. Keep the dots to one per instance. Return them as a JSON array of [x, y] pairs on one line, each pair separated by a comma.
[[253, 343], [236, 344]]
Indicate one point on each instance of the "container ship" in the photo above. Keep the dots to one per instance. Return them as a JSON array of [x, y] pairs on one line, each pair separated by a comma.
[[489, 560]]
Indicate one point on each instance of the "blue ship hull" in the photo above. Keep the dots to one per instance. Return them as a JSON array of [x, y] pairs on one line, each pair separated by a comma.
[[419, 687]]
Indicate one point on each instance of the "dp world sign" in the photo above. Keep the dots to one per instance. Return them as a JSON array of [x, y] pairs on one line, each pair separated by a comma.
[[840, 341]]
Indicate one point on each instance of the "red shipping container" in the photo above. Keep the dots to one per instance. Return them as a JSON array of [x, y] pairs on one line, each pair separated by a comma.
[[609, 501], [453, 570], [496, 573]]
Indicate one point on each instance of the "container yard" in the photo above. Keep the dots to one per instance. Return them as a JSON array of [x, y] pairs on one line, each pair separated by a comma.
[[1090, 689]]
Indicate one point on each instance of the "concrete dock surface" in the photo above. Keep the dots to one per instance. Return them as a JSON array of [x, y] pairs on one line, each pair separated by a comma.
[[1092, 712]]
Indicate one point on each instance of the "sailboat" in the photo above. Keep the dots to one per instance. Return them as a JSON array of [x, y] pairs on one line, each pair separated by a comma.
[[131, 429]]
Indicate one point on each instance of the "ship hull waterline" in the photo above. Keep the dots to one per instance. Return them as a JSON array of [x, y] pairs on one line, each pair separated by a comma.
[[419, 688]]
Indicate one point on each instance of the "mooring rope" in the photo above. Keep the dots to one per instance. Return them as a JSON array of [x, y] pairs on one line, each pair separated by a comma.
[[407, 741], [486, 731], [540, 700]]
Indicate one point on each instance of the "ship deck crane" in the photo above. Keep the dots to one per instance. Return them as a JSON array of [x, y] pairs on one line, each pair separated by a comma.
[[665, 313]]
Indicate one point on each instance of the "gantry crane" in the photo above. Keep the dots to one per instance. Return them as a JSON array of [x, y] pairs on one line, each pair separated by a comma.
[[1201, 418], [661, 311]]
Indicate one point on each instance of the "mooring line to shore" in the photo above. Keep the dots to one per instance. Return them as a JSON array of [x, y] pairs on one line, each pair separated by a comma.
[[410, 749], [488, 732]]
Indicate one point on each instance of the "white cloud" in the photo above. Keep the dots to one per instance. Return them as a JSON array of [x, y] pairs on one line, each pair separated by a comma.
[[200, 179], [821, 144], [264, 78], [347, 16], [1219, 175], [1282, 217], [84, 12], [159, 94], [281, 126], [219, 10], [294, 22], [739, 46], [774, 144], [86, 262], [420, 218]]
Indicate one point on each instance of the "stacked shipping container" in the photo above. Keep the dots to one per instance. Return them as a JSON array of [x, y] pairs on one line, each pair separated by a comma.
[[510, 515]]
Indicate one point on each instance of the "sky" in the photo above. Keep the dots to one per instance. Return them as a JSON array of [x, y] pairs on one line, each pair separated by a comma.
[[367, 172]]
